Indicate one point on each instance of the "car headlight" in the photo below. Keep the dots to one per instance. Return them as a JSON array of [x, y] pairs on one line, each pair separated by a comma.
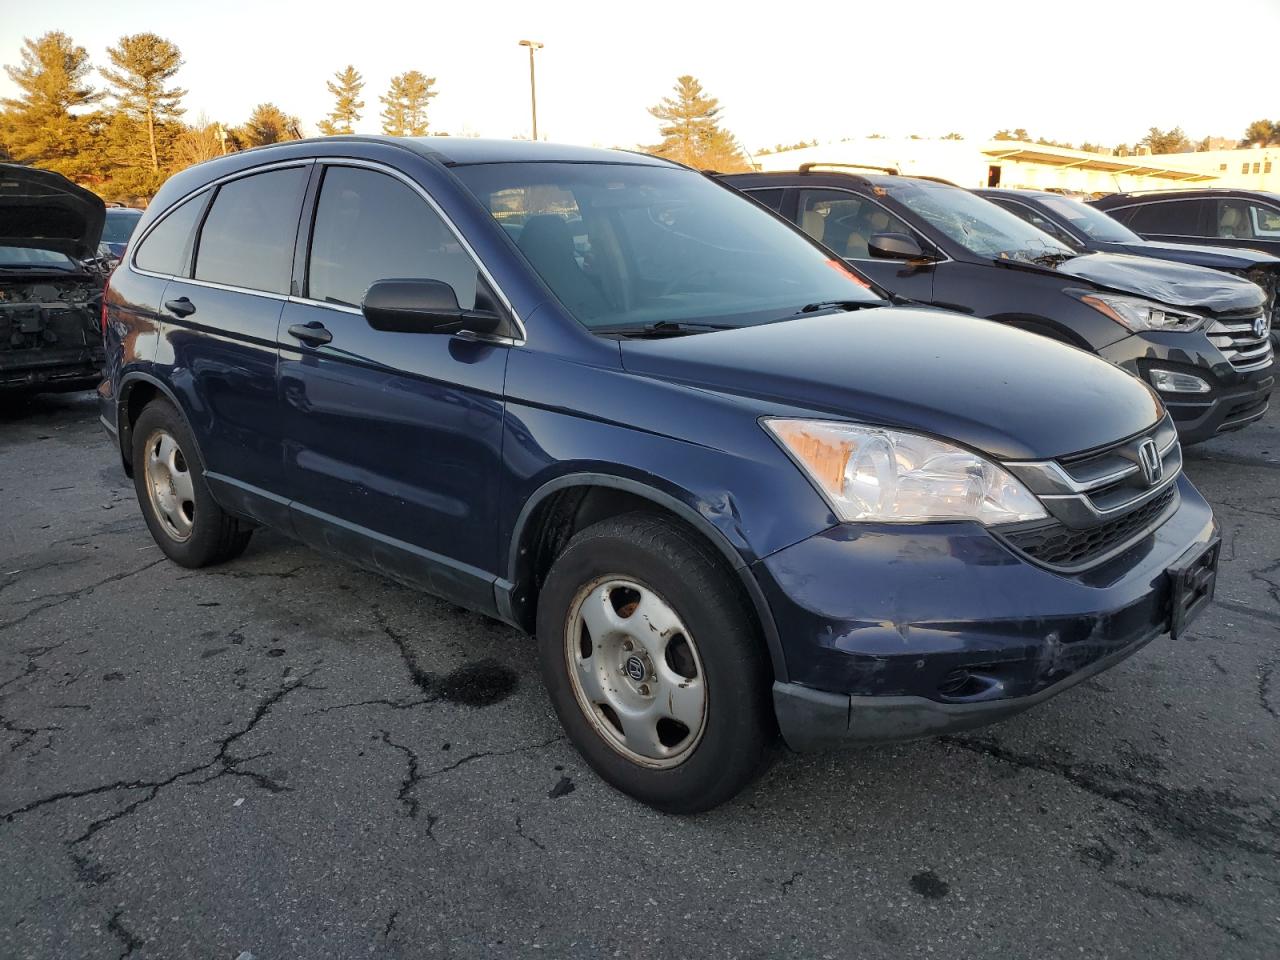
[[1138, 314], [869, 473]]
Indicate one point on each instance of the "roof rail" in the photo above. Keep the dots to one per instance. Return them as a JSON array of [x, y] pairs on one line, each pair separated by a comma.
[[806, 167]]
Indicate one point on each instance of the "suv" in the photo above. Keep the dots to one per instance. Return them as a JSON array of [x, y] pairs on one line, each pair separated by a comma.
[[609, 401], [1198, 336], [50, 282], [1089, 230], [1246, 220]]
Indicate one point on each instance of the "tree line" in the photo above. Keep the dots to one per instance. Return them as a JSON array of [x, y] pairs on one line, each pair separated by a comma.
[[125, 139]]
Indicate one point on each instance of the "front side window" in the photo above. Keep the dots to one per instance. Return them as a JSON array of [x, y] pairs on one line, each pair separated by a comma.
[[625, 246], [167, 247], [1266, 220], [247, 238], [1090, 221], [1039, 221], [845, 221], [770, 198], [368, 227], [976, 224]]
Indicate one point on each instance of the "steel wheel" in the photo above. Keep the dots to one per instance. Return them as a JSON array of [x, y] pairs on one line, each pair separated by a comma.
[[635, 671], [169, 485]]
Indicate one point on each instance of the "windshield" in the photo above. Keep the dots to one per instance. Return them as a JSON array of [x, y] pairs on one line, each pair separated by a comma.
[[1093, 223], [119, 226], [625, 245], [976, 224], [32, 257]]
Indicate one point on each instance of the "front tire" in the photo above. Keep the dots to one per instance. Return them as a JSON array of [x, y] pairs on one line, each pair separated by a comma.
[[653, 663], [168, 478]]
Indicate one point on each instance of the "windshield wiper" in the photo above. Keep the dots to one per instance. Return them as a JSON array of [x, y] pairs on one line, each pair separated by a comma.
[[838, 305], [661, 328]]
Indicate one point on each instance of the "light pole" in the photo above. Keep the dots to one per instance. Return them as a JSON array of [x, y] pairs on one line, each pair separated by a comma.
[[533, 85]]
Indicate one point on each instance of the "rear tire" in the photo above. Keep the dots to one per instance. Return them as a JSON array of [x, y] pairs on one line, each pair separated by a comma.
[[168, 478], [653, 663]]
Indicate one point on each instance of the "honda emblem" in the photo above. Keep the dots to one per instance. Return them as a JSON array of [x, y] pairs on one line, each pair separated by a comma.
[[1150, 461]]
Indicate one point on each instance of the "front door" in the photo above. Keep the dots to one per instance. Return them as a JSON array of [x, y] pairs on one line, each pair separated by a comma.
[[393, 440]]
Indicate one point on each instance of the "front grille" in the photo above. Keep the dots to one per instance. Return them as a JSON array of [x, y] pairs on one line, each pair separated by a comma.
[[1240, 343], [1100, 500], [1057, 545]]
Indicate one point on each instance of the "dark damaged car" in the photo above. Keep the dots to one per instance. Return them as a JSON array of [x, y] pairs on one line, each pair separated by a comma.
[[50, 282], [1200, 337]]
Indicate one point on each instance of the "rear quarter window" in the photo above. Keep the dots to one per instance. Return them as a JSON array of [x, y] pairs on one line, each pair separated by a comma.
[[247, 238], [167, 248]]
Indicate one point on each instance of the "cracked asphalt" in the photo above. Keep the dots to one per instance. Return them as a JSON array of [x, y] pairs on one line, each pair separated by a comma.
[[288, 757]]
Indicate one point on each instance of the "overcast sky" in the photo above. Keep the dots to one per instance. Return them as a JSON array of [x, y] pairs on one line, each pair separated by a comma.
[[1068, 70]]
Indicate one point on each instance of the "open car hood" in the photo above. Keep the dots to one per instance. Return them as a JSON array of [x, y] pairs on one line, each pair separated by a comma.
[[43, 210], [1175, 284]]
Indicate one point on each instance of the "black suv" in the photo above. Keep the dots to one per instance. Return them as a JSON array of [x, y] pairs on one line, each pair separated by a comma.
[[1200, 337], [1090, 230], [1246, 220]]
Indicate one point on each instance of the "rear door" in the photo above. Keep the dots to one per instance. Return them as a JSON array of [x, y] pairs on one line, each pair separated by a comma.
[[220, 329], [393, 440]]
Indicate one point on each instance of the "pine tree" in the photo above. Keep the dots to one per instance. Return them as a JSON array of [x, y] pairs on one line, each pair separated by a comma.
[[268, 124], [145, 63], [405, 105], [691, 133], [345, 87], [40, 127]]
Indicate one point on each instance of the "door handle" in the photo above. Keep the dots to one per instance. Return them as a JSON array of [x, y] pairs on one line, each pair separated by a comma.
[[182, 307], [314, 333]]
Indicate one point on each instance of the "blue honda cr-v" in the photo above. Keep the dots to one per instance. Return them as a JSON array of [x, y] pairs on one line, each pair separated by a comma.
[[616, 404]]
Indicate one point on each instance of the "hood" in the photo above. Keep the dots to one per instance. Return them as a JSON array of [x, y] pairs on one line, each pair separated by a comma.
[[1013, 395], [46, 211], [1216, 258], [1177, 284]]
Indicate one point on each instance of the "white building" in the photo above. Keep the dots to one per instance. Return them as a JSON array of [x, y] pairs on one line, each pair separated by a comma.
[[1016, 163]]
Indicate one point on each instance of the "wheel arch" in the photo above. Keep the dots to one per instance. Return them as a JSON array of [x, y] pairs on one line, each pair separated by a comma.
[[137, 389], [566, 504]]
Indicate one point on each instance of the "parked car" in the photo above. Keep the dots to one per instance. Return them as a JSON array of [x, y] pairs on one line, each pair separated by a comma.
[[50, 288], [1244, 220], [1090, 230], [607, 400], [1198, 336], [119, 227]]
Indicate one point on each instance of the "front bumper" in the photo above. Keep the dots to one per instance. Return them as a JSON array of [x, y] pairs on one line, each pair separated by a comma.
[[1234, 399], [892, 633]]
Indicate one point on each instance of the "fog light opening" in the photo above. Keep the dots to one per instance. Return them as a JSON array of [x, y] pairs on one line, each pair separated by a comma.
[[1169, 381]]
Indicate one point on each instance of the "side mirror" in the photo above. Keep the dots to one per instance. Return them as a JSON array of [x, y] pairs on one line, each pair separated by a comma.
[[895, 246], [422, 306]]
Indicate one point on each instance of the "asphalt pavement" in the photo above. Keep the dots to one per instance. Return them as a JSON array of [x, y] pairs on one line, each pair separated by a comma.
[[289, 757]]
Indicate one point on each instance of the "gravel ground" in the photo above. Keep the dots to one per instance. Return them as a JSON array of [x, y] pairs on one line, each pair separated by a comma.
[[289, 757]]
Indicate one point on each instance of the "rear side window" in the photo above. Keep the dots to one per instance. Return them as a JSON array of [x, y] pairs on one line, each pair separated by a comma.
[[167, 248], [1175, 217], [370, 227], [770, 198], [247, 238]]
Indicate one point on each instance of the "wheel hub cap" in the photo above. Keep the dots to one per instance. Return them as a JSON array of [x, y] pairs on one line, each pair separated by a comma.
[[169, 486], [635, 671]]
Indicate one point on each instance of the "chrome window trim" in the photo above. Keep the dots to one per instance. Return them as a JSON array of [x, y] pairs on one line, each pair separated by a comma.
[[334, 161]]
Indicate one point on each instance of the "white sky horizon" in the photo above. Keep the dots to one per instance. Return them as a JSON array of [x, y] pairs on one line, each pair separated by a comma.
[[1073, 71]]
